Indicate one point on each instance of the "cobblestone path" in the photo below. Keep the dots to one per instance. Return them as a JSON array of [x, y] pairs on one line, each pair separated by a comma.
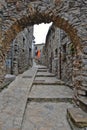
[[36, 100]]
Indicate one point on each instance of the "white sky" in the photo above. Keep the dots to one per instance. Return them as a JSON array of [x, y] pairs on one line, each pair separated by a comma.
[[40, 32]]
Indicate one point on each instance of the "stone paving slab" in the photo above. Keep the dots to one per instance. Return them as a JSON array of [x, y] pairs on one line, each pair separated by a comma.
[[13, 101], [46, 116], [40, 66], [50, 91], [41, 74], [42, 70], [48, 79]]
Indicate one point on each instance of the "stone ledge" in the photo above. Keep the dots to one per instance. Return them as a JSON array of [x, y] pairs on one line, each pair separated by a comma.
[[77, 117], [82, 103], [4, 85], [82, 91], [84, 88]]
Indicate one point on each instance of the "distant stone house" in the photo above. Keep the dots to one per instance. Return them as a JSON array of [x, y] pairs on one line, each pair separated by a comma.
[[38, 51], [19, 56]]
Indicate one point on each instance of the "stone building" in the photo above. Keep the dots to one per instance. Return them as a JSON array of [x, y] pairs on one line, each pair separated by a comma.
[[19, 57], [59, 54], [51, 49]]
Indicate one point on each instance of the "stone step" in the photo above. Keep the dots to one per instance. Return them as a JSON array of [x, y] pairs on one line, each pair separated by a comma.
[[82, 103], [77, 118], [46, 116], [82, 91], [42, 70], [43, 82], [47, 75], [51, 100], [50, 91], [42, 67]]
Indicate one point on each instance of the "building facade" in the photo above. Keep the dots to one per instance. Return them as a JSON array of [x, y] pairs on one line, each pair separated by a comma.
[[59, 54], [19, 56]]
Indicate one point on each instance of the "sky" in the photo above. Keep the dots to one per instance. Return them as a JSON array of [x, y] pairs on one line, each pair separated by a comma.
[[40, 32]]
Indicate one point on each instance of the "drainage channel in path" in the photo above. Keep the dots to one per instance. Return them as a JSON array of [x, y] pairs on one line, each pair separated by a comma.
[[47, 105]]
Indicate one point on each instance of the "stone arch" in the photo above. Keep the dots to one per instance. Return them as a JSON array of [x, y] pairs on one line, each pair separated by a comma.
[[36, 13], [39, 11], [61, 23]]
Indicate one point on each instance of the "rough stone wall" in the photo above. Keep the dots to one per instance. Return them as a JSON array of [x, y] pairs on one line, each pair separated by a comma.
[[59, 54], [19, 57], [43, 56], [63, 63], [67, 59], [51, 49], [71, 16]]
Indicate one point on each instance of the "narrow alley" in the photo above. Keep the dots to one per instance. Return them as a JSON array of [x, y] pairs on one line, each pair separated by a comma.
[[51, 93], [37, 100], [47, 103]]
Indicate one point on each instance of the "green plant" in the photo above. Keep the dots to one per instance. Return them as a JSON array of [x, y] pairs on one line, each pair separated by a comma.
[[72, 49]]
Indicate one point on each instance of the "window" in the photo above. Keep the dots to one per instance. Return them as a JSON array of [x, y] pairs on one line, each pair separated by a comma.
[[64, 52], [64, 48], [56, 52]]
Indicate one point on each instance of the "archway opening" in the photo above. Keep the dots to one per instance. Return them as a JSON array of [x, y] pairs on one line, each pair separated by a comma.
[[38, 13], [40, 32]]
